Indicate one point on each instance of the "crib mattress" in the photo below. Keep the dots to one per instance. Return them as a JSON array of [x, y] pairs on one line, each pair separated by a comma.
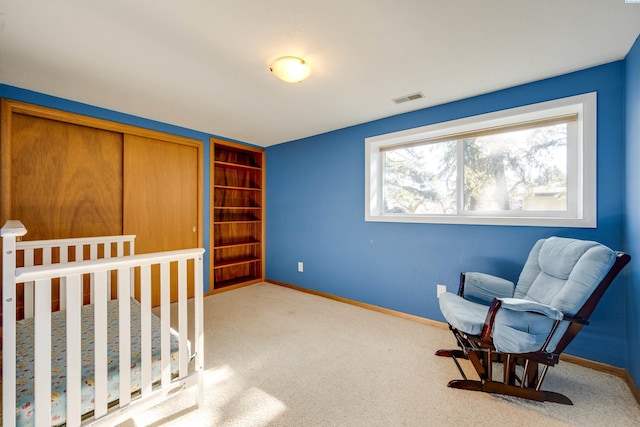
[[25, 361]]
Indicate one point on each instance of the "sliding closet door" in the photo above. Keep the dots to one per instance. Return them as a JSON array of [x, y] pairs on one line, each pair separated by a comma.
[[61, 180], [161, 197], [66, 179], [68, 175]]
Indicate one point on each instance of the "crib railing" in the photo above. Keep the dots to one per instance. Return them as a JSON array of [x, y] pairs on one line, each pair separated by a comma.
[[46, 252], [100, 270]]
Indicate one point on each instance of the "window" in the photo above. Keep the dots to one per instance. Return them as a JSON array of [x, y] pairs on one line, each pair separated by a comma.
[[532, 165]]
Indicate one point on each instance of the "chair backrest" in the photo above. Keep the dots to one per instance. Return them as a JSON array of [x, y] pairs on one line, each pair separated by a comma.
[[563, 273]]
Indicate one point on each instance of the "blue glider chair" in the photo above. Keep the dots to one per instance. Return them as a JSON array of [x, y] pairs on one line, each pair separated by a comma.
[[528, 324]]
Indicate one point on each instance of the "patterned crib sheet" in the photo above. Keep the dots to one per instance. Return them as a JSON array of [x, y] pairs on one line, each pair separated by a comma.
[[25, 361]]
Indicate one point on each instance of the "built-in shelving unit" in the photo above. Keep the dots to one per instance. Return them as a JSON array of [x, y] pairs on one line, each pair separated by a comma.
[[237, 231]]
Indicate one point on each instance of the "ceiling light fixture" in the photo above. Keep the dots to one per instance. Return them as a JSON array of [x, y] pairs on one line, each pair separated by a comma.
[[291, 69]]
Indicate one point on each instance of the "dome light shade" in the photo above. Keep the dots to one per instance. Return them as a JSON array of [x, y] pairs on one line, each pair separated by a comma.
[[291, 69]]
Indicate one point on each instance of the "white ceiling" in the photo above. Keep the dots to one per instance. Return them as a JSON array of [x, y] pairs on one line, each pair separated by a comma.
[[204, 65]]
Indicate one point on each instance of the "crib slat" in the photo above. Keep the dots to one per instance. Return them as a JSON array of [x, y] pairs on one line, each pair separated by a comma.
[[165, 322], [93, 254], [28, 257], [101, 357], [46, 256], [42, 353], [64, 258], [28, 300], [28, 286], [107, 254], [63, 293], [64, 254], [124, 327], [74, 356], [132, 273], [145, 314], [182, 316]]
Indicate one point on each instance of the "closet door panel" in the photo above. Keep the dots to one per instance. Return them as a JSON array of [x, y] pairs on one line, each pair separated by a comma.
[[161, 197], [66, 179]]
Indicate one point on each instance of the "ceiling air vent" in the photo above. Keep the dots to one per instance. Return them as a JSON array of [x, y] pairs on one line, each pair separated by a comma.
[[412, 97]]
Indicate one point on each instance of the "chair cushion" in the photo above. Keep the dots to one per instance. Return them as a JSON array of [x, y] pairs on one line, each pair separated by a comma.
[[514, 331], [558, 256], [530, 271], [483, 288], [568, 270], [544, 288], [524, 331], [462, 314], [589, 271], [517, 304]]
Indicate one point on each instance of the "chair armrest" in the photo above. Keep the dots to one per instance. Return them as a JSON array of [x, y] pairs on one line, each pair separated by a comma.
[[487, 328], [483, 288], [578, 320], [517, 304]]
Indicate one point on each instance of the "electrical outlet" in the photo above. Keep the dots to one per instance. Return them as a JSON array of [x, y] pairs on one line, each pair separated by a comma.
[[300, 267], [441, 289]]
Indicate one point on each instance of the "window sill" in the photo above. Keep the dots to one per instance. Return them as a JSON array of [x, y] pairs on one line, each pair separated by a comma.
[[487, 220]]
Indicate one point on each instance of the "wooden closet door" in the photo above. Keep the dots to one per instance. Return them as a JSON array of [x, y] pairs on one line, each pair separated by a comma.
[[66, 179], [161, 197]]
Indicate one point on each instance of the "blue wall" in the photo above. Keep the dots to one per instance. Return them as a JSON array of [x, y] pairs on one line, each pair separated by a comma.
[[36, 98], [315, 214], [632, 117], [315, 210]]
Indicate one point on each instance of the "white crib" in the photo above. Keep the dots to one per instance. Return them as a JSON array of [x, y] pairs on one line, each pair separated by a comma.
[[136, 359]]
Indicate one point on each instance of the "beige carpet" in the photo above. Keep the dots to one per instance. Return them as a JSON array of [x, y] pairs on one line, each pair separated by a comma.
[[279, 357]]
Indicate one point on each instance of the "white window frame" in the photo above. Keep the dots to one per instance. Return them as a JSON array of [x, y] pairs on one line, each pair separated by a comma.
[[581, 168]]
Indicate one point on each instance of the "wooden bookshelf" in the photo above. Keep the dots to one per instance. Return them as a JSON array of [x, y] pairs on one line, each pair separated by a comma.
[[237, 214]]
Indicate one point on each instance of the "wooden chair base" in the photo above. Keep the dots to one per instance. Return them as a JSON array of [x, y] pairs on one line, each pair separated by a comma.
[[510, 390], [486, 384]]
